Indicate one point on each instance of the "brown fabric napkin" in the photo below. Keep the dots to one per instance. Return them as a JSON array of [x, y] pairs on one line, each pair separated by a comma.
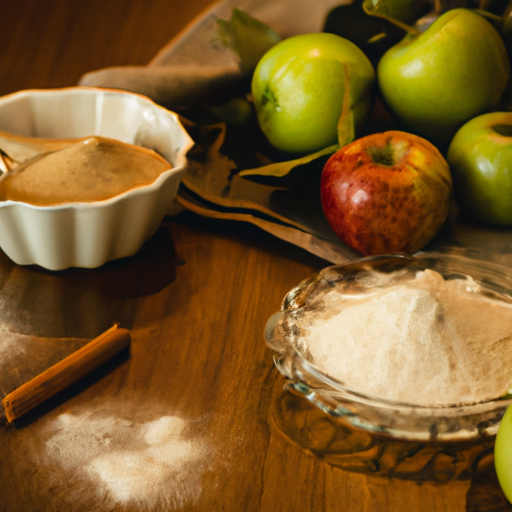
[[195, 67], [173, 86]]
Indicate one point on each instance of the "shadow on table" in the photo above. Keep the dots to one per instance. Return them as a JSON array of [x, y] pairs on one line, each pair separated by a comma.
[[46, 316], [484, 494], [82, 303], [344, 446]]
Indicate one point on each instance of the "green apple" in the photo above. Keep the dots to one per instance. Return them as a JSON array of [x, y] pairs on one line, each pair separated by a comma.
[[503, 454], [298, 89], [436, 81], [480, 159]]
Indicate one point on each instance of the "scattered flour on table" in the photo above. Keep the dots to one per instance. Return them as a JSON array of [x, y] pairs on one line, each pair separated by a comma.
[[425, 340], [132, 463], [10, 344]]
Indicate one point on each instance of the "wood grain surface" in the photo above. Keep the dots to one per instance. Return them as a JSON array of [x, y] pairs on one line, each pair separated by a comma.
[[195, 418]]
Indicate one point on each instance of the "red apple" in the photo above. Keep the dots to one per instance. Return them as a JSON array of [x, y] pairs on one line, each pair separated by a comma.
[[386, 193]]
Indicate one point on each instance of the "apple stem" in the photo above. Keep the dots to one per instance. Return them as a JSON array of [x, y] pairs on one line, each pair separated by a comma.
[[404, 26], [488, 15], [268, 97], [408, 28]]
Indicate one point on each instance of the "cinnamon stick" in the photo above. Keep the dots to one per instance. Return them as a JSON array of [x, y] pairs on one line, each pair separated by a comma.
[[64, 373]]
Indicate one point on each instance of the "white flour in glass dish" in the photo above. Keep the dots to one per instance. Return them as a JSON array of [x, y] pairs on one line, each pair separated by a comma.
[[425, 340]]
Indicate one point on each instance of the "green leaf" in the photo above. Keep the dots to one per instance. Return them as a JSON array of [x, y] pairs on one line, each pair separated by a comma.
[[346, 123], [372, 34], [403, 13], [406, 11], [249, 37], [235, 112], [280, 169]]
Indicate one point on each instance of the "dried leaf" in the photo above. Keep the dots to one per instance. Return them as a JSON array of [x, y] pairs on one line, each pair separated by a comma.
[[333, 251], [213, 175]]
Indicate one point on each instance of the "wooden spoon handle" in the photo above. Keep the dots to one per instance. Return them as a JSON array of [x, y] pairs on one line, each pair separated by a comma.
[[64, 373]]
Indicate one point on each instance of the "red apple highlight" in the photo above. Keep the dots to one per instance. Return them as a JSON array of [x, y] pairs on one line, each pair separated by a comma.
[[386, 193]]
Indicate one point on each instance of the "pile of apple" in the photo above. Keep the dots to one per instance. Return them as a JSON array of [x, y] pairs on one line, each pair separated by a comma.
[[391, 192]]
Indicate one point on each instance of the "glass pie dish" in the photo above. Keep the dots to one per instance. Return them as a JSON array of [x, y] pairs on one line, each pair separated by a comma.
[[398, 420]]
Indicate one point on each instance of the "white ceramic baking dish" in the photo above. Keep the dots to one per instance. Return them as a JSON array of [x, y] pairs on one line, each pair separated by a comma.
[[90, 234]]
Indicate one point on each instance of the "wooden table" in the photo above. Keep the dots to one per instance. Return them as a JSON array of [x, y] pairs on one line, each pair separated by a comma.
[[187, 420]]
